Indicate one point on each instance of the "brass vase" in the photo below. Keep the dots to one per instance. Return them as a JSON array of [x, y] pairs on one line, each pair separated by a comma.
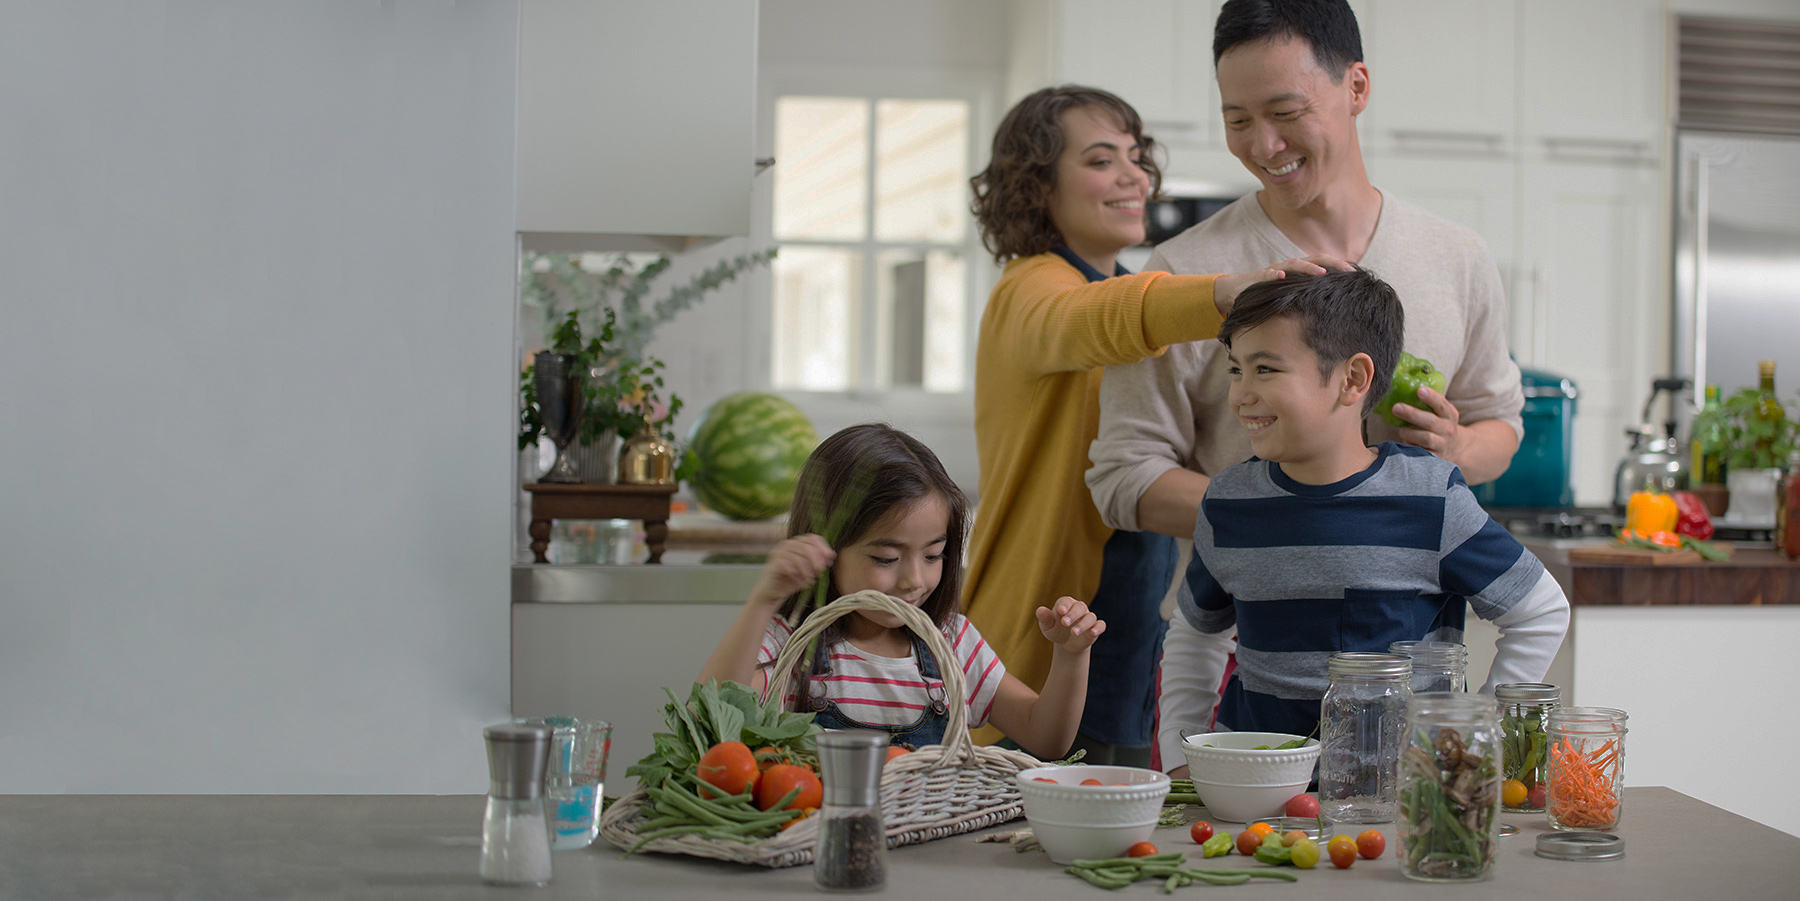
[[647, 459]]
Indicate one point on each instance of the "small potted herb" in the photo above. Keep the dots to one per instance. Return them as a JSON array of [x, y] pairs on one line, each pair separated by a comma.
[[1752, 434]]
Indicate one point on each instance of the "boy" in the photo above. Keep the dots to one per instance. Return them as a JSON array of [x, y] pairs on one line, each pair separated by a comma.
[[1319, 543]]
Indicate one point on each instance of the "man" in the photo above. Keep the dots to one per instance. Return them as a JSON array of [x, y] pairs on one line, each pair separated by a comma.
[[1292, 82]]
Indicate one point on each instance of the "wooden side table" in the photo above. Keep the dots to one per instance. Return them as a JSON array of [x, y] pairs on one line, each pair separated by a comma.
[[557, 500]]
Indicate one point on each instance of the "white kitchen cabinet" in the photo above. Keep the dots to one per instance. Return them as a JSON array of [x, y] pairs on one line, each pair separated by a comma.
[[1593, 79], [1164, 71], [635, 119], [1441, 76], [1590, 303]]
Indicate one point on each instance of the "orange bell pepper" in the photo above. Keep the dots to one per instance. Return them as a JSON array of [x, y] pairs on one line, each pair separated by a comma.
[[1650, 511]]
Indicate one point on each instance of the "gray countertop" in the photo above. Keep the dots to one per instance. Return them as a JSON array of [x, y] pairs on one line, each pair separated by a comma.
[[728, 583], [376, 846]]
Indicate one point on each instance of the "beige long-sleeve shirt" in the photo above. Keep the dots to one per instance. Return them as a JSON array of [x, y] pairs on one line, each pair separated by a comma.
[[1171, 411]]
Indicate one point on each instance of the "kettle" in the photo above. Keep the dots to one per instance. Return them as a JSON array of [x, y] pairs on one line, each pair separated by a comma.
[[1655, 460]]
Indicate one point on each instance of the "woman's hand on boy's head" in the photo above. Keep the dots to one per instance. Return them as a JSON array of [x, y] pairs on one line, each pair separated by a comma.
[[793, 564], [1070, 625], [1227, 287]]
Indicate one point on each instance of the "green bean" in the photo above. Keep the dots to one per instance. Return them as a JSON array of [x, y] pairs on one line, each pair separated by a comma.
[[1097, 879], [1174, 882], [1167, 857]]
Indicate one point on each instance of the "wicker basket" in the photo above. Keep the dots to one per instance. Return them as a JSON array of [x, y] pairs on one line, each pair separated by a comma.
[[936, 791]]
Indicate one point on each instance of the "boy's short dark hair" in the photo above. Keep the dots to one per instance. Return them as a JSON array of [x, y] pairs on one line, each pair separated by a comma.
[[1328, 26], [1340, 314]]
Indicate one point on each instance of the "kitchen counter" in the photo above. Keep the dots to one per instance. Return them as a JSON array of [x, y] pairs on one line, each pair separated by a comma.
[[1755, 575], [376, 846]]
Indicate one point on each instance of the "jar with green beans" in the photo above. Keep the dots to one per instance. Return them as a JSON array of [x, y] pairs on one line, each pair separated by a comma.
[[1449, 787], [1525, 749]]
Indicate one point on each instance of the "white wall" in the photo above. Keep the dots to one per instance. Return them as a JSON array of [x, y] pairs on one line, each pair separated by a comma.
[[255, 394]]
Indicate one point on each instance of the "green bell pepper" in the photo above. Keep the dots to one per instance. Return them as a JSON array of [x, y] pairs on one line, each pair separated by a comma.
[[1410, 374]]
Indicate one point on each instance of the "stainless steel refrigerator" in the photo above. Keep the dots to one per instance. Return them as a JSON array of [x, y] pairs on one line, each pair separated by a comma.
[[1737, 259]]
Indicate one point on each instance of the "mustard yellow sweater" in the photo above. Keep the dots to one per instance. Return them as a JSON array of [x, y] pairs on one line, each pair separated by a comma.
[[1045, 337]]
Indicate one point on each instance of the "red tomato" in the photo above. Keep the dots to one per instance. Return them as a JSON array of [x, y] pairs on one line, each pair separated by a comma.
[[1247, 842], [1141, 849], [1303, 806], [1092, 782], [783, 778], [1370, 843], [1343, 851], [1200, 831], [895, 751], [730, 767], [1290, 837], [1534, 796], [1042, 779]]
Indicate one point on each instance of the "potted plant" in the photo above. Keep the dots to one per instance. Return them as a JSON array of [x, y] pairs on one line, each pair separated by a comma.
[[1750, 432], [564, 292]]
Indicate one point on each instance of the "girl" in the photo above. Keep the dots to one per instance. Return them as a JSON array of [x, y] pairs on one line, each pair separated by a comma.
[[1064, 193], [903, 536]]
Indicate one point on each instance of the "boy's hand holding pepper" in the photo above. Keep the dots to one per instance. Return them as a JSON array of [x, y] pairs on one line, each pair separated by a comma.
[[1071, 626]]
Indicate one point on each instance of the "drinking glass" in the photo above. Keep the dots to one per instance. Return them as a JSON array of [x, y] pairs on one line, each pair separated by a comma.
[[574, 778]]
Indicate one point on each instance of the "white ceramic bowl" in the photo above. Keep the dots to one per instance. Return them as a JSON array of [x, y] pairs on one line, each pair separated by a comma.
[[1076, 822], [1246, 803], [1232, 759]]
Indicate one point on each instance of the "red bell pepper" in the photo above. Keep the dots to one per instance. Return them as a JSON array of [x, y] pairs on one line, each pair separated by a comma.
[[1690, 516]]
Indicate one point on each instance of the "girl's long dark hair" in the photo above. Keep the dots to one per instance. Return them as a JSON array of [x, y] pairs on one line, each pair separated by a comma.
[[873, 468]]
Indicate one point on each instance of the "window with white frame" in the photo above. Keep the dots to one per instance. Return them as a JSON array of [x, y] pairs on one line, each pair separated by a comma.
[[870, 291]]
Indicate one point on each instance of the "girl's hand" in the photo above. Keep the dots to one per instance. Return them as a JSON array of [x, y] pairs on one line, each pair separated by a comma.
[[1227, 287], [1071, 625], [793, 564]]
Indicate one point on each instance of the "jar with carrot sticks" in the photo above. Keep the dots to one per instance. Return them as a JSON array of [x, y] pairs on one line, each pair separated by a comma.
[[1587, 768]]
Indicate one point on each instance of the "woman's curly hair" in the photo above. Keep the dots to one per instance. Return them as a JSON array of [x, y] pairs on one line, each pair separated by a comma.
[[1012, 195]]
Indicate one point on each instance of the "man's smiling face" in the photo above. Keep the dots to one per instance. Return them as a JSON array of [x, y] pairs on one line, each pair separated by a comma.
[[1287, 121]]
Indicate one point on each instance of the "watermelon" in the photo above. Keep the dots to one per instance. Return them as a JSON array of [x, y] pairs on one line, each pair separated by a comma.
[[751, 447]]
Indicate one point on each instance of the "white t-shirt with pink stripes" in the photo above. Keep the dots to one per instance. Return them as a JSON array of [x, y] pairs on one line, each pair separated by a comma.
[[889, 691]]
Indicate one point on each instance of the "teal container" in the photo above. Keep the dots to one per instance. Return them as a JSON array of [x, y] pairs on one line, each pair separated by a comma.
[[1542, 470]]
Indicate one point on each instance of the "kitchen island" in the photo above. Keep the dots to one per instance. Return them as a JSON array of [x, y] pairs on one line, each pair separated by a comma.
[[384, 846]]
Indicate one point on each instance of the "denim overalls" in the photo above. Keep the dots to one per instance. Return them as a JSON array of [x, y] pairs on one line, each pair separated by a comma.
[[928, 729]]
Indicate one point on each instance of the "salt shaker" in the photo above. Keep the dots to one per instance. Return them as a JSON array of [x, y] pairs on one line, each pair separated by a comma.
[[515, 836], [851, 855]]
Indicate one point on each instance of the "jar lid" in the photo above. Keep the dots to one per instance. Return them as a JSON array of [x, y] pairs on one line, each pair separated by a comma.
[[1527, 691], [1369, 664], [1580, 846]]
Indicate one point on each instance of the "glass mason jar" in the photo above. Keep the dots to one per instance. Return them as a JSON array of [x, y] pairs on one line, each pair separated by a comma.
[[1449, 787], [1525, 759], [1360, 730], [1587, 768], [1436, 665]]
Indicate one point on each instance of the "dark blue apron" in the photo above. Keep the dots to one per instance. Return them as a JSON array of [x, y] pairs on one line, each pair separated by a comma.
[[1136, 570]]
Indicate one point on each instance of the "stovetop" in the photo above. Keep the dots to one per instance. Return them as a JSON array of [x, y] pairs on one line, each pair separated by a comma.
[[1557, 522]]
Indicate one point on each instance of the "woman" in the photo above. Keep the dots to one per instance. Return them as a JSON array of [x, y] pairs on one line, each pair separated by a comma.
[[1063, 193]]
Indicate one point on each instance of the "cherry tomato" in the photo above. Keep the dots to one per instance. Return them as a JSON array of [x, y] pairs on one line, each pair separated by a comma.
[[1042, 779], [730, 767], [1305, 854], [1247, 842], [895, 751], [1303, 806], [785, 777], [1292, 837], [1370, 843], [1141, 849], [1343, 851], [1092, 782], [1513, 793], [1536, 795], [1260, 829], [1200, 831]]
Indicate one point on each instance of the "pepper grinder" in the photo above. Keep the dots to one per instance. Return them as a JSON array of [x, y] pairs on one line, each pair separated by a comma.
[[852, 852], [515, 835]]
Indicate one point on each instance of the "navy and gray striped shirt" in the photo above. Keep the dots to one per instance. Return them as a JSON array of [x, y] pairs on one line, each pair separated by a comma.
[[1389, 554]]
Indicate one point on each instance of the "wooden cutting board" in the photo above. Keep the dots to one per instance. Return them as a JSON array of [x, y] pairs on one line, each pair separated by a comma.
[[1612, 553]]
